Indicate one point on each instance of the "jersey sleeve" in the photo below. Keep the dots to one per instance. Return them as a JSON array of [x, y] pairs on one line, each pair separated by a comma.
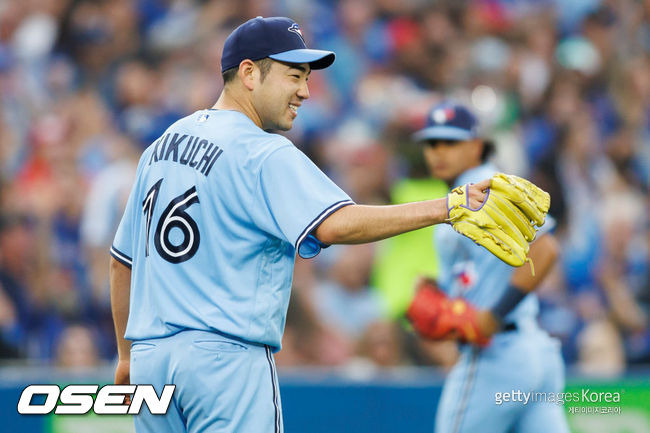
[[123, 243], [297, 196]]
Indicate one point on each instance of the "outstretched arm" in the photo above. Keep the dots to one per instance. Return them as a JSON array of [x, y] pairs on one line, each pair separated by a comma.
[[120, 281], [356, 224]]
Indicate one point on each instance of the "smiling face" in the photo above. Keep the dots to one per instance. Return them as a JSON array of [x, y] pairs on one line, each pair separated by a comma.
[[276, 98]]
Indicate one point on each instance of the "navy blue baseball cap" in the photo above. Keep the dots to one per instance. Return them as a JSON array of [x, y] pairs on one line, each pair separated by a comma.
[[279, 38], [450, 122]]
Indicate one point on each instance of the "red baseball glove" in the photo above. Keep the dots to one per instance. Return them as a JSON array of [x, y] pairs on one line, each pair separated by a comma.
[[437, 317]]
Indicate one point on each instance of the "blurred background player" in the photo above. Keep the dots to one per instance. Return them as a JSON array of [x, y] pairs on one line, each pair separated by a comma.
[[520, 355]]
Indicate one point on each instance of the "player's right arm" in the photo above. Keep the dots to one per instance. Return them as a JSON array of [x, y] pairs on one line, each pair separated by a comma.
[[121, 262], [357, 224], [120, 283]]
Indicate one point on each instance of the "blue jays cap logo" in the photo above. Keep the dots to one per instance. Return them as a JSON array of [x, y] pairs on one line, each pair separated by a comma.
[[443, 115], [295, 29]]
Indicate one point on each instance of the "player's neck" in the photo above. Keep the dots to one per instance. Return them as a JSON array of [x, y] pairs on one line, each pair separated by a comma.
[[229, 100]]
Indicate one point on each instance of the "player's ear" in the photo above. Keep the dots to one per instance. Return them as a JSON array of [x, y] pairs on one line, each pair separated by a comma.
[[248, 73]]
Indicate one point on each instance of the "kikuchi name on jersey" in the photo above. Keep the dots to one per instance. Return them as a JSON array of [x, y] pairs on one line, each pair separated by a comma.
[[195, 152]]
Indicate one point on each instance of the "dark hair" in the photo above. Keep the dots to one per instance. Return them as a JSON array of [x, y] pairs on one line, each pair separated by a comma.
[[264, 65]]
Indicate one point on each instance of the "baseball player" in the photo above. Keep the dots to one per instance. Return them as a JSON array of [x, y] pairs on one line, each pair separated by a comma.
[[203, 257], [483, 297]]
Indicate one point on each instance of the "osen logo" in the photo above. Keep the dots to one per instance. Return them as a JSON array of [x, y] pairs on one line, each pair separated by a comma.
[[109, 400]]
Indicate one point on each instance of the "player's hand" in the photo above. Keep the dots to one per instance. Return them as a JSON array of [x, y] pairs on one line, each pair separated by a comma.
[[504, 221], [477, 193], [123, 376]]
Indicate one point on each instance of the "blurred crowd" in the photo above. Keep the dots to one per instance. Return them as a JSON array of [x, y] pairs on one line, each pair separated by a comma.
[[562, 87]]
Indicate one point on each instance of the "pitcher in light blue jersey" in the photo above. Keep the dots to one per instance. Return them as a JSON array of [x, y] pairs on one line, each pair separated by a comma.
[[521, 357], [203, 258]]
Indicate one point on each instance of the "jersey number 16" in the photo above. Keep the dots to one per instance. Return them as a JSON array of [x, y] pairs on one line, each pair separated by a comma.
[[174, 216]]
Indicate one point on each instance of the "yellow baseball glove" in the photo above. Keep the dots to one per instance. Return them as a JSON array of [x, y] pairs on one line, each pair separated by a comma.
[[507, 220]]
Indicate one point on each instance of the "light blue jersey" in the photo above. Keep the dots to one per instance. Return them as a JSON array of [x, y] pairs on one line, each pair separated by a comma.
[[215, 217], [523, 358], [473, 272]]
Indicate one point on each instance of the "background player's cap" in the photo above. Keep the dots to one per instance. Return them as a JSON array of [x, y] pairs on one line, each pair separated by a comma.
[[279, 38], [448, 121]]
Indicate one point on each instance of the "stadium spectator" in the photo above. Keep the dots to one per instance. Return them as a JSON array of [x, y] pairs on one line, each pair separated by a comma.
[[85, 85]]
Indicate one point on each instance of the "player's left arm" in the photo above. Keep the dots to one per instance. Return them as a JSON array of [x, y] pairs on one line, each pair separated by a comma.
[[120, 283], [543, 252]]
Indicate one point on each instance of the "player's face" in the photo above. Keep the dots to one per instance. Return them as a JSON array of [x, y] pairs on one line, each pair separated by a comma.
[[278, 97], [449, 159]]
